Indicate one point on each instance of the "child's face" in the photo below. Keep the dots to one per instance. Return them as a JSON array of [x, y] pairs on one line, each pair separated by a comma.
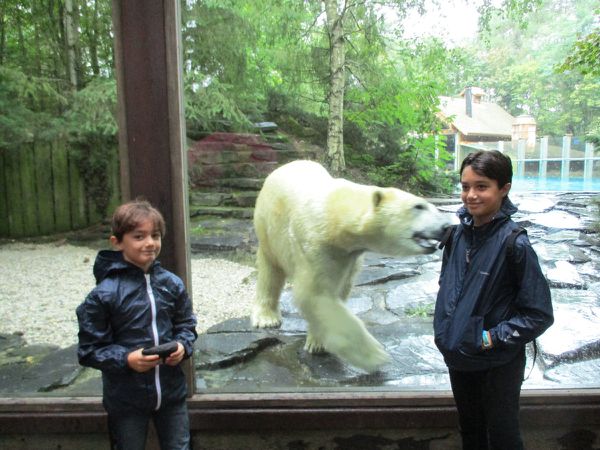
[[140, 246], [481, 195]]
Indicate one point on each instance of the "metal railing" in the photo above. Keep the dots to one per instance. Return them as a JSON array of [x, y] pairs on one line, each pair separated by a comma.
[[540, 155]]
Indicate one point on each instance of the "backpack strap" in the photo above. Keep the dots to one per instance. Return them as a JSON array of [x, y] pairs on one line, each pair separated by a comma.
[[446, 240], [535, 353], [510, 251], [510, 241], [510, 245]]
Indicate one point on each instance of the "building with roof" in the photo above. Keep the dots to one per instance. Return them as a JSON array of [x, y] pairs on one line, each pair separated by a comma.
[[470, 120], [475, 120]]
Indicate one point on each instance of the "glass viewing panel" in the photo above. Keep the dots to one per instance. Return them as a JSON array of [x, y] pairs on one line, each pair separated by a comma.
[[256, 78]]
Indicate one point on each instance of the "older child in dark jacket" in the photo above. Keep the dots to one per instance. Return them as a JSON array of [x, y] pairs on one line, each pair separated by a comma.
[[489, 306], [137, 304]]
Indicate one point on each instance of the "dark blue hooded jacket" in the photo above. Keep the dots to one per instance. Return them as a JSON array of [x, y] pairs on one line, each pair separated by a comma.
[[128, 310], [484, 293]]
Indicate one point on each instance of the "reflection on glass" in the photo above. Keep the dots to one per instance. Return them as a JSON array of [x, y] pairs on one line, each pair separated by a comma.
[[257, 94]]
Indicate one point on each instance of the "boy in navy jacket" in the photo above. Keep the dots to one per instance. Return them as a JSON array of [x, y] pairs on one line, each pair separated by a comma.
[[138, 304]]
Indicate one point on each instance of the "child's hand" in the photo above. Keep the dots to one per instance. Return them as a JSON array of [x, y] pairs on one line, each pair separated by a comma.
[[142, 363], [175, 358]]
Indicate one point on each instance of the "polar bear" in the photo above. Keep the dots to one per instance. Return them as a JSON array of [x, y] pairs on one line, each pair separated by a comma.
[[312, 230]]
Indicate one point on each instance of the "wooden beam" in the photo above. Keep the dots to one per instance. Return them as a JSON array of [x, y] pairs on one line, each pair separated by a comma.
[[151, 123], [263, 412]]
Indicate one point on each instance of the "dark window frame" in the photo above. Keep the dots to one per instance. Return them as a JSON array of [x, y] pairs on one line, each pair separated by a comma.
[[148, 153], [213, 413]]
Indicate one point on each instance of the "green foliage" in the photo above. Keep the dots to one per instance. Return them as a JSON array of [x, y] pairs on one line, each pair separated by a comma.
[[92, 158], [95, 48], [585, 54], [517, 66], [395, 111], [297, 121], [28, 107], [211, 108], [418, 168], [517, 11], [93, 111], [421, 309], [93, 130], [246, 61]]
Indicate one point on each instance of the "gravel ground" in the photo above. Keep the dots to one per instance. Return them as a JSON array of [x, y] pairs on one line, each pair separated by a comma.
[[42, 284]]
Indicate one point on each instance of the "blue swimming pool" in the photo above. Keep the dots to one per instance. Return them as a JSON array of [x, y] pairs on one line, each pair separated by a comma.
[[573, 184]]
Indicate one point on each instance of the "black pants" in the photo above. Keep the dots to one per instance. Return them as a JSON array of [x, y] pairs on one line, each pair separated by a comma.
[[488, 405], [129, 431]]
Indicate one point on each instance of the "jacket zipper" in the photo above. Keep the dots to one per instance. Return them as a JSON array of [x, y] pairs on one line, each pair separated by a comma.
[[156, 340]]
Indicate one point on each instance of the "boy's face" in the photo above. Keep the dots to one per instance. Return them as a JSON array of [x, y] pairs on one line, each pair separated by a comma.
[[140, 246], [481, 195]]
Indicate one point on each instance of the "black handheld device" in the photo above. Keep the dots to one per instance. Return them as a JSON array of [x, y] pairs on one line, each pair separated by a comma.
[[162, 350]]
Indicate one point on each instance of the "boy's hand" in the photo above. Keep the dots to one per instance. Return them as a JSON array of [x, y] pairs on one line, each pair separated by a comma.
[[142, 363], [175, 358]]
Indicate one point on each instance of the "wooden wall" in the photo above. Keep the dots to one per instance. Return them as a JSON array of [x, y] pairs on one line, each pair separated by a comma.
[[42, 192]]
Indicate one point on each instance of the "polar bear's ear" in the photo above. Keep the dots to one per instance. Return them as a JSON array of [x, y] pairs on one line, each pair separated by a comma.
[[377, 198]]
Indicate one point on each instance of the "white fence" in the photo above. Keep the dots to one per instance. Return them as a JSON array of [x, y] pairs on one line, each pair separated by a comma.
[[580, 160]]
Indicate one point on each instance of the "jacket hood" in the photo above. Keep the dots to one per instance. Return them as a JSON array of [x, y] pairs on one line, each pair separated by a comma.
[[507, 209], [109, 261]]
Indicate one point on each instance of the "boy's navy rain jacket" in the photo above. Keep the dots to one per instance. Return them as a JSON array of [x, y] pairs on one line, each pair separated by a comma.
[[513, 303], [128, 310]]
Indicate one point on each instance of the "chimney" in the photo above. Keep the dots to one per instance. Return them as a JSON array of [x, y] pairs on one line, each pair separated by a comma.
[[469, 101]]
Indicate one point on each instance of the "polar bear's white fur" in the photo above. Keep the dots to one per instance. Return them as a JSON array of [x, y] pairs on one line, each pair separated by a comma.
[[312, 230]]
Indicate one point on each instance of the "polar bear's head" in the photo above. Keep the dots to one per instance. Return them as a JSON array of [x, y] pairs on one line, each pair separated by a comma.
[[400, 223]]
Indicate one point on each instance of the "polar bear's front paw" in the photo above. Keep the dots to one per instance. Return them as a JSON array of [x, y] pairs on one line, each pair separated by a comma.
[[313, 345], [263, 318]]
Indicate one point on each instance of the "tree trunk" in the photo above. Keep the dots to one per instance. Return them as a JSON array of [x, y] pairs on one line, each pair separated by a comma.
[[71, 34], [335, 129], [2, 33], [21, 41], [93, 41], [38, 39]]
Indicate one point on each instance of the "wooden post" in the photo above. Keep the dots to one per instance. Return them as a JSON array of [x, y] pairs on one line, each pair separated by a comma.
[[151, 125], [151, 122]]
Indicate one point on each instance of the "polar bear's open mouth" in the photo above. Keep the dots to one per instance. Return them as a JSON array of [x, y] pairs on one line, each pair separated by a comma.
[[426, 242]]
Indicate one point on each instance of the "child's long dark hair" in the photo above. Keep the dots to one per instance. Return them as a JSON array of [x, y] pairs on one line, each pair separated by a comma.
[[491, 164]]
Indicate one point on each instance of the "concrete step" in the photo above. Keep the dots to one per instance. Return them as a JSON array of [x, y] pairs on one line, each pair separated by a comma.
[[243, 199], [230, 184], [225, 156], [236, 212], [240, 154], [209, 174]]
